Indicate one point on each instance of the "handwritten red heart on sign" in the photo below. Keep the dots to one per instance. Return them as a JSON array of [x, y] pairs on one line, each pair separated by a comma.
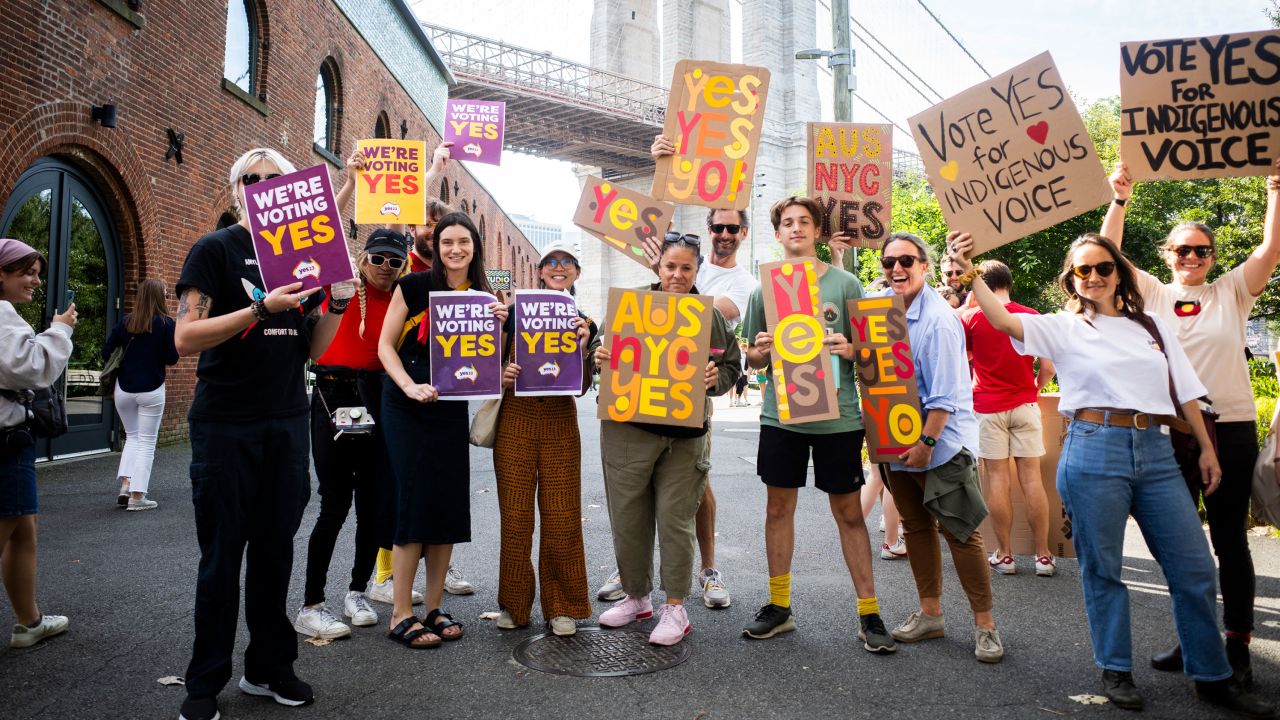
[[1039, 132]]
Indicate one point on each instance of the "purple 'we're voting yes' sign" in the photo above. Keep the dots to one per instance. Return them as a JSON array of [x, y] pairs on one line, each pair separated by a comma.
[[466, 356], [297, 233], [475, 127], [546, 343]]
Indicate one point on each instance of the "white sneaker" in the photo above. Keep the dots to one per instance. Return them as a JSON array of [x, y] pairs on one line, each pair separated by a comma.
[[455, 584], [612, 589], [895, 551], [563, 626], [384, 592], [881, 523], [28, 635], [1045, 566], [1002, 564], [356, 607], [714, 593], [142, 503], [505, 622], [317, 622]]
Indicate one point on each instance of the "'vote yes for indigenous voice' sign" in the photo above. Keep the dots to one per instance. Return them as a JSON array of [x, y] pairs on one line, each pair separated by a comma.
[[658, 356], [804, 381], [475, 128], [887, 376], [1205, 107], [466, 357], [1010, 156], [297, 234], [714, 118], [851, 175], [546, 343], [390, 187], [622, 218]]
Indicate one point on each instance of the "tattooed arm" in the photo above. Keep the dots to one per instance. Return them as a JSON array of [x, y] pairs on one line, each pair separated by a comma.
[[197, 331]]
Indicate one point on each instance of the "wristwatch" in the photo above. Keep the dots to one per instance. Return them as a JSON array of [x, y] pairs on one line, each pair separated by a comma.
[[928, 441], [1120, 201]]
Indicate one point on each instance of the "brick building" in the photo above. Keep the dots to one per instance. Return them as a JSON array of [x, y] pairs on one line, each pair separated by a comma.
[[113, 205]]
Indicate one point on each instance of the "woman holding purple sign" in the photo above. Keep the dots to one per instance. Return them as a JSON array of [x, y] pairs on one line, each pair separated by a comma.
[[427, 438], [538, 454]]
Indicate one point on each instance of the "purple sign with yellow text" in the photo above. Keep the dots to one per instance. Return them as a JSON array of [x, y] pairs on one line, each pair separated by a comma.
[[475, 128], [466, 358], [297, 234], [546, 343]]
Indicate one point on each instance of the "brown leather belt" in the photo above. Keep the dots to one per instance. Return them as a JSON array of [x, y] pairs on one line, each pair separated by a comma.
[[1131, 419]]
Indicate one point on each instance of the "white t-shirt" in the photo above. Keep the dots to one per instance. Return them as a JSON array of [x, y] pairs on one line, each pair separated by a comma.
[[1209, 321], [1112, 363], [735, 283]]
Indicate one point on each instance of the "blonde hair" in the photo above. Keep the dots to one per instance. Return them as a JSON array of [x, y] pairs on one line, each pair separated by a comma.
[[362, 258], [271, 155]]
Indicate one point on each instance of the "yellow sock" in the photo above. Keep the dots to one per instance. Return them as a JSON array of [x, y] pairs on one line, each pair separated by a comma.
[[780, 590], [383, 565], [868, 606]]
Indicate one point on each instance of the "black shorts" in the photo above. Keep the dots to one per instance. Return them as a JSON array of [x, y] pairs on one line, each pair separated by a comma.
[[741, 384], [783, 459]]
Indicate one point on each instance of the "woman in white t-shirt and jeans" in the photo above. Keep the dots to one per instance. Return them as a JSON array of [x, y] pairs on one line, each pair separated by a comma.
[[1209, 319], [1117, 384]]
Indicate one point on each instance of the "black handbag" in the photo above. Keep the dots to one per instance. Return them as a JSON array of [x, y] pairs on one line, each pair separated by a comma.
[[46, 410]]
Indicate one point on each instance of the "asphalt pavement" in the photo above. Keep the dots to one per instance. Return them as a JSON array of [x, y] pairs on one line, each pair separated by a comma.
[[127, 582]]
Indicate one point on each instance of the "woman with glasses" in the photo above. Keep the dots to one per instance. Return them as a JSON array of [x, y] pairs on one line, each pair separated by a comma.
[[538, 455], [935, 483], [1209, 319], [427, 438], [145, 338], [349, 454], [250, 480], [1124, 378], [655, 474]]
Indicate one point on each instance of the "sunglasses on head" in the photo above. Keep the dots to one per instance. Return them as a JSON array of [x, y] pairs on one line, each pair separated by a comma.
[[906, 261], [1201, 251], [394, 263], [252, 178], [1104, 269], [564, 263], [720, 227], [675, 237]]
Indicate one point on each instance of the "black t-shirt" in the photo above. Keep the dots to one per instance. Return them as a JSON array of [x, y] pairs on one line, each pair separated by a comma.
[[416, 289], [257, 373]]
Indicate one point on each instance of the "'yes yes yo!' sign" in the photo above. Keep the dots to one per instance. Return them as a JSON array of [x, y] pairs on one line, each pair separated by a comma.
[[714, 118], [887, 376]]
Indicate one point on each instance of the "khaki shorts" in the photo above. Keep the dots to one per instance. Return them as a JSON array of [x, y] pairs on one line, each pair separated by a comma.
[[1012, 433]]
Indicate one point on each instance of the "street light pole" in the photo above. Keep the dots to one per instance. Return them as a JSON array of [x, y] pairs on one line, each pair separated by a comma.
[[841, 61]]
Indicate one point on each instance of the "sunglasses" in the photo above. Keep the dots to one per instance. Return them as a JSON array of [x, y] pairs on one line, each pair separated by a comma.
[[564, 263], [906, 261], [673, 237], [1104, 270], [949, 273], [394, 263], [253, 178], [731, 229], [1201, 251]]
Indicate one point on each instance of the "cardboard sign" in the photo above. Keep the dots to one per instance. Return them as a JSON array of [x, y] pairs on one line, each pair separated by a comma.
[[886, 376], [851, 174], [1054, 428], [1206, 107], [498, 279], [546, 344], [466, 355], [297, 233], [714, 118], [657, 358], [390, 187], [622, 218], [803, 379], [475, 127], [1010, 156]]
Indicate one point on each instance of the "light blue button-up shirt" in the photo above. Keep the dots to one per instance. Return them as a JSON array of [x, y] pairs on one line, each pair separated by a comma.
[[942, 374]]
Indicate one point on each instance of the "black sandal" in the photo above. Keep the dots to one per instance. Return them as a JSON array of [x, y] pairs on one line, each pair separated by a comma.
[[439, 622], [406, 637]]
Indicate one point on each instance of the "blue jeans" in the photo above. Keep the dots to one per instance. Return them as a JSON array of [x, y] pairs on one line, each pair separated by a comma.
[[1106, 474]]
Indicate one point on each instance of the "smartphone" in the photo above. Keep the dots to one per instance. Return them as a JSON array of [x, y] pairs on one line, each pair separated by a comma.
[[71, 297]]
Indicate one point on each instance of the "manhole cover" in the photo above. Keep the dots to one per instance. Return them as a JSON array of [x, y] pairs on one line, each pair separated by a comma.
[[594, 652]]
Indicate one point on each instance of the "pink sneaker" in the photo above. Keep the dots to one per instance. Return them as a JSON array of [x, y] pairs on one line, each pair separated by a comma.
[[626, 611], [672, 626]]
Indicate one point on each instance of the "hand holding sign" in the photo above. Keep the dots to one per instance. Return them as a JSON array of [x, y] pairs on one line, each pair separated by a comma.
[[297, 233]]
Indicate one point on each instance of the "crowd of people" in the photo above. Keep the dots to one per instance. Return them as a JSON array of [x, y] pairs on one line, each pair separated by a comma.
[[1136, 371]]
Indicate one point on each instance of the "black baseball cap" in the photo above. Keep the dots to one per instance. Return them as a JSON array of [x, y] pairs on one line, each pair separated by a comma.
[[385, 240]]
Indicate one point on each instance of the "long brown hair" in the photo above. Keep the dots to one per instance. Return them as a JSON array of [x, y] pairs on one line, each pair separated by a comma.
[[1128, 299], [148, 304], [475, 271]]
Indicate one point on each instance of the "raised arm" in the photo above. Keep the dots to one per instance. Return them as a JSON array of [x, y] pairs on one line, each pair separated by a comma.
[[961, 248], [196, 331], [1259, 266], [355, 164], [439, 159], [1122, 187]]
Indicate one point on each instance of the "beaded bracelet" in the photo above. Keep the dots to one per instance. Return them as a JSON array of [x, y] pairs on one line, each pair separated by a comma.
[[259, 309], [337, 307]]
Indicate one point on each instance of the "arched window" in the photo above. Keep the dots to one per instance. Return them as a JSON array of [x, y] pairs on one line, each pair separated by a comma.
[[240, 55], [328, 107], [382, 128], [482, 230], [444, 191]]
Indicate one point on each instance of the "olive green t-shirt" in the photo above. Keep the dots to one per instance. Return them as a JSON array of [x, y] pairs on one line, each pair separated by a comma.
[[836, 288]]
